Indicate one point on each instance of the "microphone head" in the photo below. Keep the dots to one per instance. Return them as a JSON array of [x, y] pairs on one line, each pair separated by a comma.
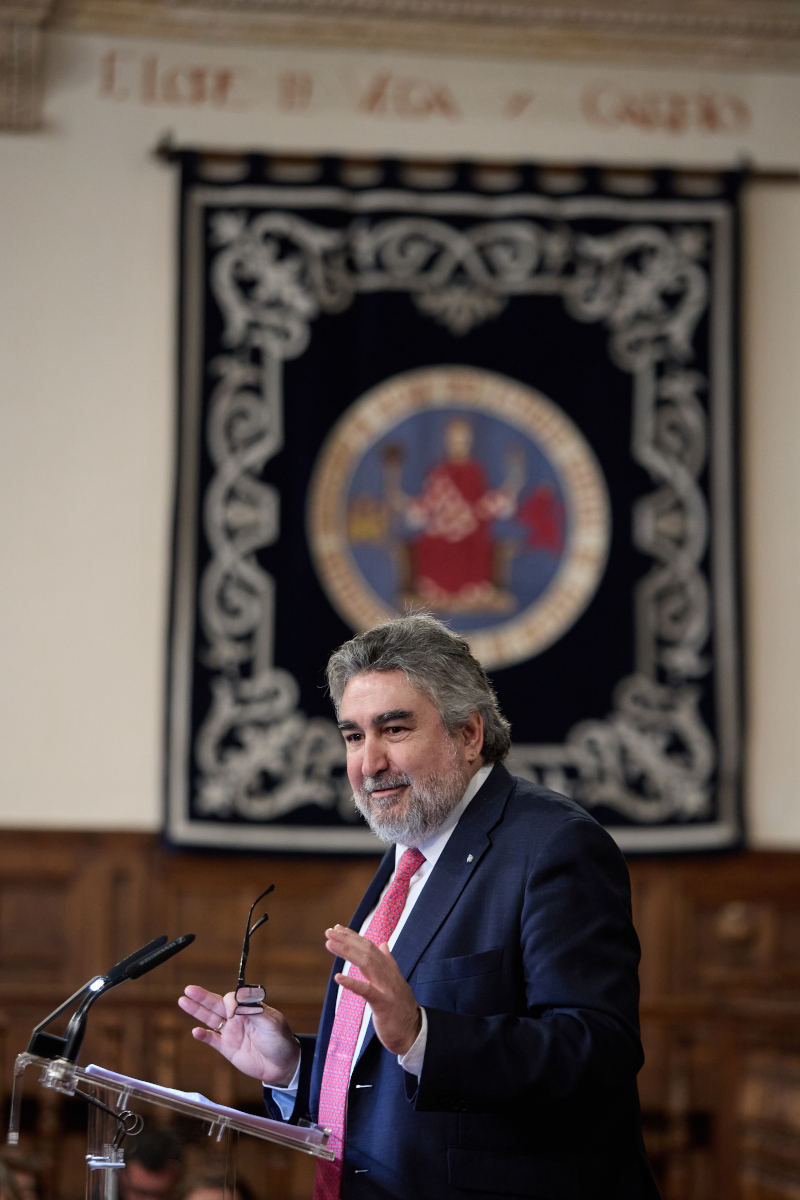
[[120, 970], [159, 956]]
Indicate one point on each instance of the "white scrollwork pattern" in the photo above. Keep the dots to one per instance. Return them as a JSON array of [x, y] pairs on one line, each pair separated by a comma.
[[652, 758], [258, 756]]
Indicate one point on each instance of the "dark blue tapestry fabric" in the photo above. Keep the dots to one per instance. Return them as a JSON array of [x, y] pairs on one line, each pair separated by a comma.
[[505, 397]]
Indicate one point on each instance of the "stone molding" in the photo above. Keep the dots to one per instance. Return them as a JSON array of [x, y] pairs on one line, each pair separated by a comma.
[[721, 33]]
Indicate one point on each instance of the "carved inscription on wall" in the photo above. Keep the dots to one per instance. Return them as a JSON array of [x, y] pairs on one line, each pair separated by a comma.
[[163, 80], [609, 106]]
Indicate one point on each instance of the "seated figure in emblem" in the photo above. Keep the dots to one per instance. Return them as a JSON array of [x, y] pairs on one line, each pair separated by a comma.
[[453, 563]]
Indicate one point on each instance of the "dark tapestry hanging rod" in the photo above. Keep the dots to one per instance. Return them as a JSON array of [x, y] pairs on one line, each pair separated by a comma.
[[224, 164]]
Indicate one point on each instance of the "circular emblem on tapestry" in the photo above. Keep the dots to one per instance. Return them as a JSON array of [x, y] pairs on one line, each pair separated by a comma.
[[465, 493]]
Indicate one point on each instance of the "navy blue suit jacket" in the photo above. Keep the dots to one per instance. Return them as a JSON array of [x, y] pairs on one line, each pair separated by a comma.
[[522, 950]]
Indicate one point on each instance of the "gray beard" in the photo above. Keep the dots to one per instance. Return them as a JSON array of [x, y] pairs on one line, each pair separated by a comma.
[[427, 806]]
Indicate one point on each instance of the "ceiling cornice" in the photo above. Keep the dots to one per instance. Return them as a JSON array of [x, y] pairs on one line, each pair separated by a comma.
[[720, 33]]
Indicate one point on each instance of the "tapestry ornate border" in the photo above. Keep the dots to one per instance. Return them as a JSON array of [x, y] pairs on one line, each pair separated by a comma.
[[308, 310]]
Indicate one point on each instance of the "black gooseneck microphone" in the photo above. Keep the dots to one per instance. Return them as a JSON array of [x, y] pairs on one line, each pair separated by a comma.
[[146, 958], [120, 971], [147, 962]]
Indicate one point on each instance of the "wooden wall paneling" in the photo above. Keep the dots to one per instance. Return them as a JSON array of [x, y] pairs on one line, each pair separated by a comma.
[[653, 899], [720, 994], [768, 1110], [677, 1103], [89, 940], [66, 906], [38, 912], [698, 1039], [677, 1108], [716, 933], [738, 925], [127, 887], [726, 1115]]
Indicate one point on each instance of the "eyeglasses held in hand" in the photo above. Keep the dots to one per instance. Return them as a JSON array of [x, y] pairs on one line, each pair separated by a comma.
[[250, 997]]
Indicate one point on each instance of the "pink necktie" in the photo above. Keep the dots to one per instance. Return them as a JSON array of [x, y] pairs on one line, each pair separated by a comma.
[[346, 1028]]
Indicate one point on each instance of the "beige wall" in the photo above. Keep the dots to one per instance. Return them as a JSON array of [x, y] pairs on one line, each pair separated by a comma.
[[771, 508], [87, 220]]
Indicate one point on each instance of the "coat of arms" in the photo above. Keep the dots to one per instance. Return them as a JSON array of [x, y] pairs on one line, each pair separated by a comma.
[[468, 494]]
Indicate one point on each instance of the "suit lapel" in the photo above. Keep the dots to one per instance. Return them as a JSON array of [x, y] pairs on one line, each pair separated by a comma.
[[448, 879], [465, 848]]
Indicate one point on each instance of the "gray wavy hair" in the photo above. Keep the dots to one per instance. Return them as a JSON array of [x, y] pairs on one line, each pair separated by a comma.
[[435, 661]]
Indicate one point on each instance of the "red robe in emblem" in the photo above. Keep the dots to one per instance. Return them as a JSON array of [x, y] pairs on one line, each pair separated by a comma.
[[453, 554]]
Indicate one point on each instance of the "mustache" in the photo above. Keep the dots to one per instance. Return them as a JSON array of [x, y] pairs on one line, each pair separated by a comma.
[[373, 782]]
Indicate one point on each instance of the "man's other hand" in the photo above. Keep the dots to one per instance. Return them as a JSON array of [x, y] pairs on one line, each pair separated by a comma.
[[395, 1013], [262, 1046]]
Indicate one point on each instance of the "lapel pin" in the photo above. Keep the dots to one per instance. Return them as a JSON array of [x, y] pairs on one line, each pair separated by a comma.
[[470, 857]]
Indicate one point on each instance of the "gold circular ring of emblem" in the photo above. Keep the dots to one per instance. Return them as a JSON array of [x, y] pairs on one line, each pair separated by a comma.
[[509, 460]]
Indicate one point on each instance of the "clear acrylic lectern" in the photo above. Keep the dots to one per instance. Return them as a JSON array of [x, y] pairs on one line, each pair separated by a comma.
[[108, 1094]]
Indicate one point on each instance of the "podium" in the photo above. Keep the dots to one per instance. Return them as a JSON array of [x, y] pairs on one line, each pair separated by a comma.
[[110, 1120]]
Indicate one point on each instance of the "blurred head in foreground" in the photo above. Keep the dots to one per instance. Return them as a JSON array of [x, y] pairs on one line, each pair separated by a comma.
[[153, 1165], [8, 1185], [211, 1185], [24, 1172]]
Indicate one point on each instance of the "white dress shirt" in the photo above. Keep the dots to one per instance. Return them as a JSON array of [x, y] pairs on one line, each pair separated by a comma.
[[432, 849]]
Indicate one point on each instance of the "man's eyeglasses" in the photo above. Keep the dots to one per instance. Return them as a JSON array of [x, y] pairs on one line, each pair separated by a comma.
[[250, 997]]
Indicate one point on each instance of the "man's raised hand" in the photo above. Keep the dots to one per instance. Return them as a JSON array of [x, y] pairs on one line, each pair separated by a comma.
[[396, 1015], [261, 1046]]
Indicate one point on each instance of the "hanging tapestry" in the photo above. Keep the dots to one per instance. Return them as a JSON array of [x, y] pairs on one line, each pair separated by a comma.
[[504, 396]]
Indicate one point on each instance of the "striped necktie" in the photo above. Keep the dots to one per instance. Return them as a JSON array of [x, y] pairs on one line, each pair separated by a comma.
[[346, 1028]]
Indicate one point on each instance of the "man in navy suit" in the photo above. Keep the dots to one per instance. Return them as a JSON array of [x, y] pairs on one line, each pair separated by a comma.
[[480, 1035]]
